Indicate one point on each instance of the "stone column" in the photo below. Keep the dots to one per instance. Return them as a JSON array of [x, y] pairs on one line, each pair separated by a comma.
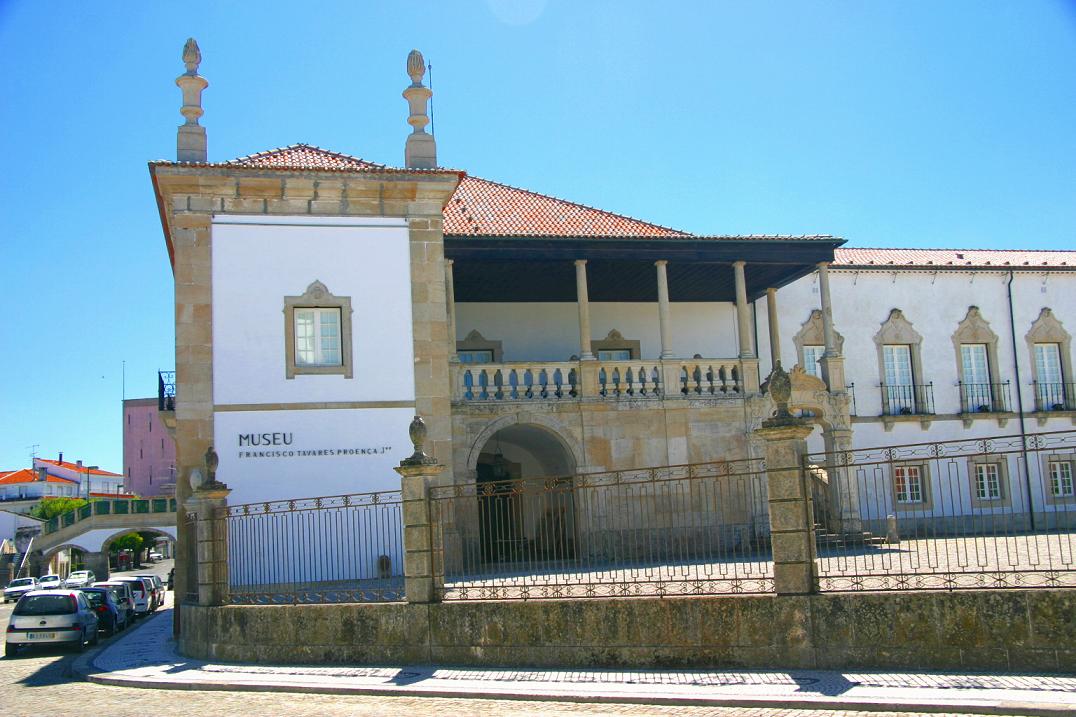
[[831, 363], [775, 334], [743, 312], [450, 303], [789, 493], [664, 320], [210, 504], [583, 300], [422, 579], [843, 485]]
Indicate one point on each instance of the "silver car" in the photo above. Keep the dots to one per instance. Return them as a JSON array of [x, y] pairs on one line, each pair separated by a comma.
[[80, 579], [48, 617]]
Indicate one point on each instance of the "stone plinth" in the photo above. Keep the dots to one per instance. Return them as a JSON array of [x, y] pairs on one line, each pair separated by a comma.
[[211, 535], [421, 580]]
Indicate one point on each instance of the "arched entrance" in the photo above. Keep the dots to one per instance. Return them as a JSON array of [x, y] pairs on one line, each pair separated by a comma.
[[125, 553], [526, 511]]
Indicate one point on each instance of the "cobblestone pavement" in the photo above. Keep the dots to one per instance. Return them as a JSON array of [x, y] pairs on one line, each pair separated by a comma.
[[44, 684]]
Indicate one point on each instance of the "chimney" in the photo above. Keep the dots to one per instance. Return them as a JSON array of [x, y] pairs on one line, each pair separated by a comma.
[[78, 463], [420, 152], [191, 139], [42, 474], [61, 458]]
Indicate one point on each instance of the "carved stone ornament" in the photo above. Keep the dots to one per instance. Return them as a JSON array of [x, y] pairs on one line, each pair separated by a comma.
[[417, 431], [212, 460], [192, 56], [196, 479], [615, 335], [416, 66], [779, 387]]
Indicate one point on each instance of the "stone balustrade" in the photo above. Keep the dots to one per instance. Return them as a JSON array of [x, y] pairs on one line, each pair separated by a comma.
[[574, 380]]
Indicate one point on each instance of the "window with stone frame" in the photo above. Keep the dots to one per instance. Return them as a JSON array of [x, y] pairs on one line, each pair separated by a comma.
[[1050, 347], [900, 366], [317, 333], [614, 347], [810, 344], [476, 348], [1060, 478], [987, 482], [911, 487], [976, 348]]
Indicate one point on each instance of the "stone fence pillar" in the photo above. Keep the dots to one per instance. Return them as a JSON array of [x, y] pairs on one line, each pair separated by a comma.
[[791, 511], [209, 503], [421, 580]]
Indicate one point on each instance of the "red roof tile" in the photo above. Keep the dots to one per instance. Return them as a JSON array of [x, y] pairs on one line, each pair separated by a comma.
[[79, 469], [305, 156], [954, 258], [482, 207], [27, 475]]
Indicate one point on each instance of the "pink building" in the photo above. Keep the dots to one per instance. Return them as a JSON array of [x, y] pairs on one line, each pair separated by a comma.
[[149, 453]]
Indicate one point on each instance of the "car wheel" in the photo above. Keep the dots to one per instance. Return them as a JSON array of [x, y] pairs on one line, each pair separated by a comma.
[[80, 644], [95, 639], [10, 649]]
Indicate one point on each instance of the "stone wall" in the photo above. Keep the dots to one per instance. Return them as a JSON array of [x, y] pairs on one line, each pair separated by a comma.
[[1016, 630]]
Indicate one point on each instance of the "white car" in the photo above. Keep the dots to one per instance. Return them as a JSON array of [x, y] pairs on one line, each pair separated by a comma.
[[80, 579], [17, 587], [142, 597], [50, 582], [45, 617], [155, 556]]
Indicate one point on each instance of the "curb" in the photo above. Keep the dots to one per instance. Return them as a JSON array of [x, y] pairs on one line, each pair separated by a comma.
[[85, 669]]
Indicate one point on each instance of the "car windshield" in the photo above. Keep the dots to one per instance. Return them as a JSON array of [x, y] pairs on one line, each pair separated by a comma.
[[46, 605], [50, 579], [21, 582]]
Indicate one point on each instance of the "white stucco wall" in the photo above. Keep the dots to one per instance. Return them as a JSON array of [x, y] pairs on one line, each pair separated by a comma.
[[329, 451], [550, 332]]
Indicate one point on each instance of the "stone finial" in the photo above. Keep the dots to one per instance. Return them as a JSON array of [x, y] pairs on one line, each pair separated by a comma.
[[420, 152], [192, 56], [779, 386], [191, 137], [416, 67], [212, 460], [418, 431]]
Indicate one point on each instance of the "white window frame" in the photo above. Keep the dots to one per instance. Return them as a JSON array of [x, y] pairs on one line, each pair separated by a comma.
[[319, 353], [318, 298], [812, 353], [909, 475], [987, 482], [1061, 481]]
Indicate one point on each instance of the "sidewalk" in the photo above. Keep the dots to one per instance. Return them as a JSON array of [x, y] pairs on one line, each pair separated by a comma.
[[146, 657]]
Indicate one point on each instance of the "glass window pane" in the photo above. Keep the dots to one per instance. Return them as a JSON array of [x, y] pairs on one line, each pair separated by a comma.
[[973, 358], [304, 337], [614, 355], [811, 355]]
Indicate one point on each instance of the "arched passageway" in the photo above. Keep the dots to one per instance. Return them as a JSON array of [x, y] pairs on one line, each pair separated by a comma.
[[525, 505]]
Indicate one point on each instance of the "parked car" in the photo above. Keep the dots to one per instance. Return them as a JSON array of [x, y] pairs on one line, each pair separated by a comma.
[[111, 618], [50, 582], [154, 556], [18, 587], [156, 596], [139, 592], [158, 587], [124, 597], [80, 578], [48, 617]]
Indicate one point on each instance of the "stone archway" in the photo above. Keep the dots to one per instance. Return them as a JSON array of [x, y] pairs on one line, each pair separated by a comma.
[[106, 543], [524, 507]]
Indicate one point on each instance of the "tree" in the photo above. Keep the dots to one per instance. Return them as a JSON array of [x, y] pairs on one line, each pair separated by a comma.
[[49, 508], [128, 541]]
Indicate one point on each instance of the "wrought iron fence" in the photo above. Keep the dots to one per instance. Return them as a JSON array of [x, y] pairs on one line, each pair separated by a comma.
[[985, 513], [1054, 396], [166, 390], [907, 400], [343, 548], [677, 530], [984, 397]]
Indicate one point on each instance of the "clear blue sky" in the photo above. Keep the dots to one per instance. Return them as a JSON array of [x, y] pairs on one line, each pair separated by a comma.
[[935, 124]]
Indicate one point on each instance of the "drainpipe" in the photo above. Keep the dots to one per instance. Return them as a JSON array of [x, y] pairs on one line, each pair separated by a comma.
[[1020, 401]]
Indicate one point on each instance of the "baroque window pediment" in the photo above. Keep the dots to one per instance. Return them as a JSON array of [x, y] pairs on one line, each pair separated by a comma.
[[897, 330], [811, 333], [974, 329], [1047, 329]]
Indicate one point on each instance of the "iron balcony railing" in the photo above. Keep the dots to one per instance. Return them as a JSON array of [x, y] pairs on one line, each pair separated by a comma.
[[984, 397], [915, 399], [166, 390], [1054, 396]]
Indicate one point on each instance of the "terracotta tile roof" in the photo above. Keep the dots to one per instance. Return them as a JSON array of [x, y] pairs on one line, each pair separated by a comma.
[[27, 475], [484, 208], [953, 258], [79, 469], [305, 156]]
